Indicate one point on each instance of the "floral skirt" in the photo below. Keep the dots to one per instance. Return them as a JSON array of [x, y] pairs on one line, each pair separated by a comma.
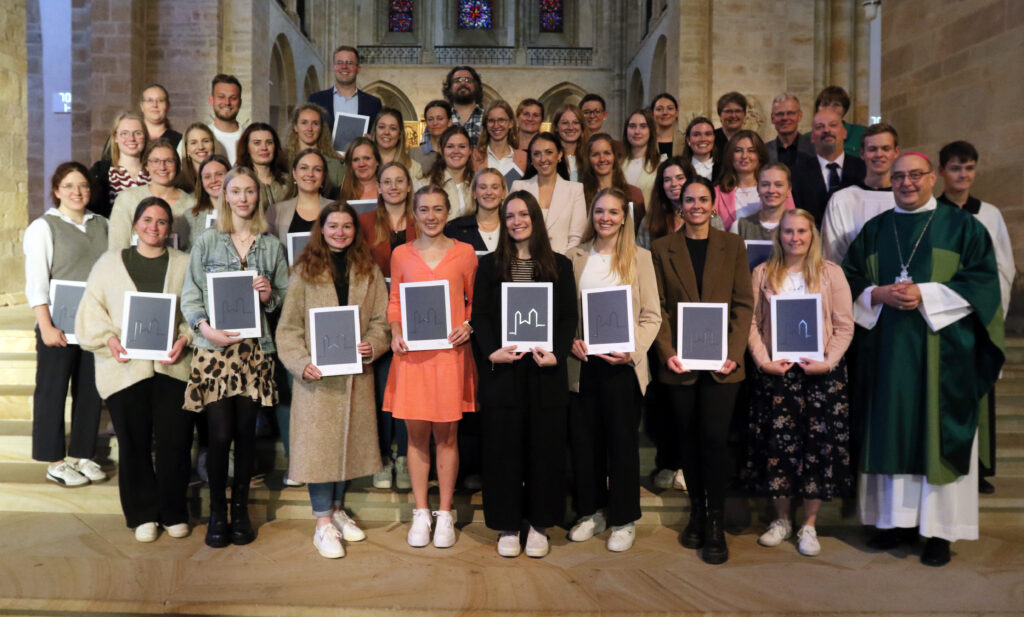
[[800, 435], [241, 369]]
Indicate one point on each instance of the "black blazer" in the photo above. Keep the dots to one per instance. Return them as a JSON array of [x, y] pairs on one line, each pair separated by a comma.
[[369, 105], [465, 229], [809, 191], [503, 384], [99, 201]]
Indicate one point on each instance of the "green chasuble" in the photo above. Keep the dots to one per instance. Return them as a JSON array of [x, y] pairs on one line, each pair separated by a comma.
[[918, 392]]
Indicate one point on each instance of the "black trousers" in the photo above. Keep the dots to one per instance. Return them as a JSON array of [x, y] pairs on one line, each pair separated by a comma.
[[523, 466], [55, 367], [703, 413], [658, 422], [230, 420], [142, 413], [604, 419]]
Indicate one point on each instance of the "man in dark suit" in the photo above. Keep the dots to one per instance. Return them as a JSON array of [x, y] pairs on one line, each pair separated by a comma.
[[344, 96], [786, 116], [817, 176]]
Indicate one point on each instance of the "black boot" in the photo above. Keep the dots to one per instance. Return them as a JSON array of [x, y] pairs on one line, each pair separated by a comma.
[[217, 535], [693, 535], [936, 552], [241, 527], [715, 550]]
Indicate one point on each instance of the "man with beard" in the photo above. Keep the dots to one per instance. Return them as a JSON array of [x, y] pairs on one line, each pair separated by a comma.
[[816, 177], [344, 96], [225, 101], [928, 347], [464, 90]]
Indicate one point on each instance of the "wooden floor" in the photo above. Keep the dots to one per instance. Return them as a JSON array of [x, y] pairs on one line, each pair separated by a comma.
[[90, 564]]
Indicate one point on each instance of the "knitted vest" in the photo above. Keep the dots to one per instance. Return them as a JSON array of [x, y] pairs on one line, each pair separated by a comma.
[[75, 252]]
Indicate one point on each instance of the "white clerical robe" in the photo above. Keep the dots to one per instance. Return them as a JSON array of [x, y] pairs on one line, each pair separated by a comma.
[[847, 212]]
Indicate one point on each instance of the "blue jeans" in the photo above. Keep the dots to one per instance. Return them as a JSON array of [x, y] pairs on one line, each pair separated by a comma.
[[325, 496], [389, 430]]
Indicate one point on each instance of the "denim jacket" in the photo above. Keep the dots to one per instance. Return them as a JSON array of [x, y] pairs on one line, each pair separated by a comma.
[[214, 252]]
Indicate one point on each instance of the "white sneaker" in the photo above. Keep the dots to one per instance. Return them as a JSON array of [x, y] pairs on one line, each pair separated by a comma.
[[536, 543], [146, 532], [622, 538], [348, 528], [779, 530], [808, 544], [663, 479], [89, 469], [382, 479], [419, 532], [180, 530], [508, 544], [588, 527], [292, 483], [678, 480], [327, 541], [444, 529], [65, 475]]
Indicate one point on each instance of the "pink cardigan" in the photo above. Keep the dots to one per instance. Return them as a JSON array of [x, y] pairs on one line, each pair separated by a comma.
[[725, 204], [836, 323]]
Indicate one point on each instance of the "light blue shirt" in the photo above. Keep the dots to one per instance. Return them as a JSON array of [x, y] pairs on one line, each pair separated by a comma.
[[348, 105]]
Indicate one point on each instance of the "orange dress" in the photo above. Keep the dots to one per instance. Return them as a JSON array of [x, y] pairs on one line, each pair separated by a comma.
[[438, 385]]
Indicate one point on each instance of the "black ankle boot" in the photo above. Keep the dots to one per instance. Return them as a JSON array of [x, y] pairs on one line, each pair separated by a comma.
[[935, 553], [693, 535], [217, 535], [715, 550], [241, 527]]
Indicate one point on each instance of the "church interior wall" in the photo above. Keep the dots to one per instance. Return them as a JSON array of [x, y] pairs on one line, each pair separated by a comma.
[[13, 149]]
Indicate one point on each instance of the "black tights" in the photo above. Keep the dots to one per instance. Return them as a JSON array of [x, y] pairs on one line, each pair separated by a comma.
[[230, 419]]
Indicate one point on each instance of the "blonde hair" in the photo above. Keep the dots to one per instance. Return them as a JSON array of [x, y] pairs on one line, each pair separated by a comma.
[[115, 150], [624, 257], [258, 222], [814, 263], [472, 187]]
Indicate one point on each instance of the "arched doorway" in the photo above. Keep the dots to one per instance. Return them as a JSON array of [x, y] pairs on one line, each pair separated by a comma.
[[392, 96], [558, 95], [657, 76], [282, 84], [636, 91], [310, 84]]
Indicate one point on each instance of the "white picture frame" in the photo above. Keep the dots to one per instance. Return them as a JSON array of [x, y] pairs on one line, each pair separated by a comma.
[[219, 318], [617, 334], [296, 242], [510, 322], [362, 206], [793, 338], [138, 323], [62, 315], [695, 315], [320, 341], [348, 127], [758, 252], [426, 332], [211, 219]]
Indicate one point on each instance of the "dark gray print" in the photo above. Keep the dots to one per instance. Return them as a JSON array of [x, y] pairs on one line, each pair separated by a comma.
[[527, 314], [235, 309], [425, 313], [702, 333], [796, 323], [347, 128], [757, 254], [66, 299], [335, 338], [298, 243], [608, 317], [147, 323]]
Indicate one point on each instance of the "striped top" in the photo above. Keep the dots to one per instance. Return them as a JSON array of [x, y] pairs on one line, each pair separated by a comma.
[[522, 270], [121, 179]]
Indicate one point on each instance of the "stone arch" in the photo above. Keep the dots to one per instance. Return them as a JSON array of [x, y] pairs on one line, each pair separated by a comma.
[[392, 96], [657, 75], [282, 84], [636, 91], [491, 95], [311, 83], [558, 95]]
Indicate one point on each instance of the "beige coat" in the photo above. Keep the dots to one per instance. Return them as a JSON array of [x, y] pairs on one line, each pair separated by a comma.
[[333, 420], [102, 310]]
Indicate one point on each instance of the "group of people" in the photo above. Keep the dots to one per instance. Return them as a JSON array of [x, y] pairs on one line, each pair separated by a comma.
[[912, 288]]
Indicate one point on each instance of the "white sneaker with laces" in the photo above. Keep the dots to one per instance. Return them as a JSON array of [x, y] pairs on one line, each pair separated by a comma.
[[621, 538], [444, 529], [508, 544], [179, 530], [65, 475], [146, 532], [588, 527], [678, 480], [419, 532], [90, 469], [779, 530], [348, 528], [292, 483], [536, 543], [808, 544], [327, 541]]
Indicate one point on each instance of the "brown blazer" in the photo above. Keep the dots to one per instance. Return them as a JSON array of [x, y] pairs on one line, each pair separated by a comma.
[[279, 217], [836, 309], [646, 312], [381, 251], [726, 279]]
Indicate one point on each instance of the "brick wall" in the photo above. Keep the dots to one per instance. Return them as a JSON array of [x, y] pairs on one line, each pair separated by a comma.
[[13, 149]]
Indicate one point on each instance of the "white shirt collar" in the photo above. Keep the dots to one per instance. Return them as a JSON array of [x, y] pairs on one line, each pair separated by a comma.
[[824, 163], [931, 204], [55, 212]]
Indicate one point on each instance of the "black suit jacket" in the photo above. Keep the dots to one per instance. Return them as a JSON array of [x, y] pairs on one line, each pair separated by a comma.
[[369, 105], [809, 190]]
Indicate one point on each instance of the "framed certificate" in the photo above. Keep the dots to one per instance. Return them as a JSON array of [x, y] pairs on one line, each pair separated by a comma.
[[526, 310], [65, 296], [334, 340], [296, 242], [348, 127], [513, 174], [426, 315], [702, 335], [211, 218], [796, 327], [234, 304], [608, 319], [147, 325], [362, 206], [758, 252]]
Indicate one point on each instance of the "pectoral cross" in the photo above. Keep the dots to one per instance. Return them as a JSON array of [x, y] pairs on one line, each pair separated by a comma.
[[904, 276]]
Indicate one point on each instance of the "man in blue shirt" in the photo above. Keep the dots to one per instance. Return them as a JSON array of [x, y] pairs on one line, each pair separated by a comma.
[[345, 96]]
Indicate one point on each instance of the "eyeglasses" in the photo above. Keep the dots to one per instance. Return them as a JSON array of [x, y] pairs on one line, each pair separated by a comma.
[[127, 134], [592, 112], [498, 121], [397, 182], [914, 176], [160, 162], [784, 114], [461, 80]]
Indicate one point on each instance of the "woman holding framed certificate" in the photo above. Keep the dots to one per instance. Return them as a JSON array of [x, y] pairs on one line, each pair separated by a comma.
[[122, 313], [604, 412], [431, 388], [799, 412], [702, 264], [523, 399], [232, 375], [333, 431]]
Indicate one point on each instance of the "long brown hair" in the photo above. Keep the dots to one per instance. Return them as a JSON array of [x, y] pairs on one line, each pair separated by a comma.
[[814, 264], [314, 263], [350, 188], [651, 153], [401, 152], [203, 199], [381, 220], [660, 209], [278, 164], [437, 171], [544, 268], [589, 178], [584, 131], [624, 258], [323, 143], [729, 179], [188, 175], [293, 189]]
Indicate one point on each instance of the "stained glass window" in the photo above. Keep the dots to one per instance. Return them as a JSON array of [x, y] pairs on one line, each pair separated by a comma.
[[400, 16], [476, 14], [550, 15]]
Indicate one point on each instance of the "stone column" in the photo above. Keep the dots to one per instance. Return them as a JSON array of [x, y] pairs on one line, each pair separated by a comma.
[[13, 151]]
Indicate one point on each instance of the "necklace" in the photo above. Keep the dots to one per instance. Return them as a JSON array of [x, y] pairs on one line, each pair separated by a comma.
[[904, 276]]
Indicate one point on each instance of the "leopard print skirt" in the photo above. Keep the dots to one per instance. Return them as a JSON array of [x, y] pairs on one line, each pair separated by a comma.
[[239, 370]]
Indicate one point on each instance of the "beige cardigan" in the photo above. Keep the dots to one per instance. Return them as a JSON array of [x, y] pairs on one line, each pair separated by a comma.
[[119, 234], [102, 310]]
